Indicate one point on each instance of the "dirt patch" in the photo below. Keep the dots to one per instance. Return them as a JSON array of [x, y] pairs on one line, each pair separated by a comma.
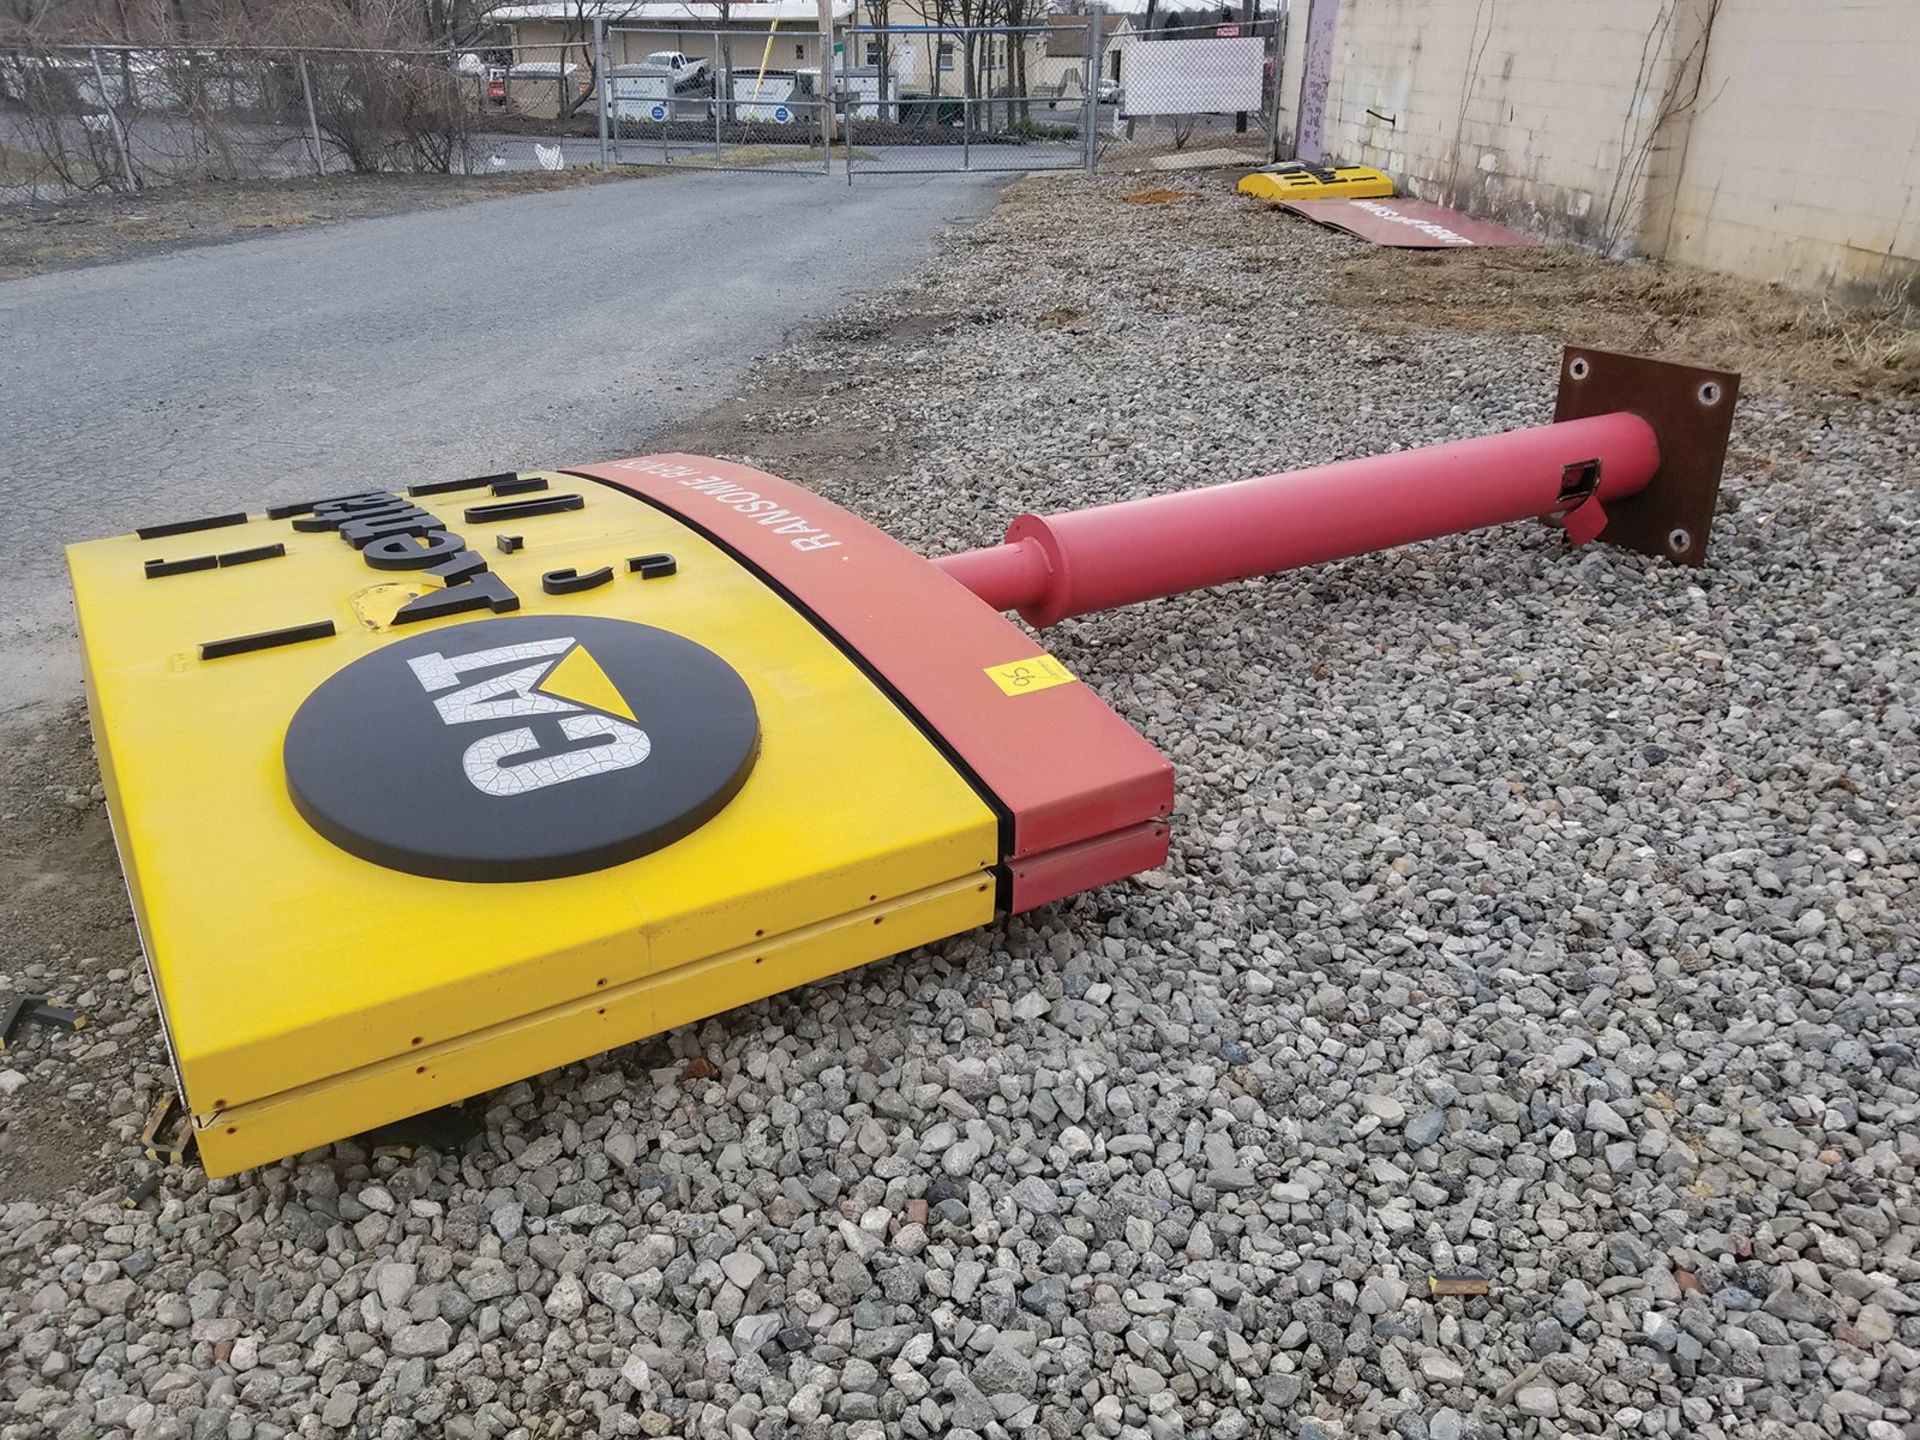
[[105, 226], [1668, 311], [806, 414], [66, 931], [792, 419]]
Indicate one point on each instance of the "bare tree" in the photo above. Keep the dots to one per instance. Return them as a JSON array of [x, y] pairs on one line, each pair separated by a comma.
[[971, 16], [943, 16], [384, 92], [579, 27], [880, 17], [1021, 17]]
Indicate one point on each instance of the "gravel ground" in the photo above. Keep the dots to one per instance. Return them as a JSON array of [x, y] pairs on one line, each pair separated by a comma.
[[1545, 919]]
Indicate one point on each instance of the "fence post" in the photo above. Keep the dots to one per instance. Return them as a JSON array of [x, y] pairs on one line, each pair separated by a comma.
[[603, 86], [726, 80], [613, 113], [313, 122], [463, 122], [966, 101], [846, 92], [1279, 75], [113, 115], [1096, 27]]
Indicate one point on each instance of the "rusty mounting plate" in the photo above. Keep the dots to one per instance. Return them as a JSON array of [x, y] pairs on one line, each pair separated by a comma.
[[1691, 412]]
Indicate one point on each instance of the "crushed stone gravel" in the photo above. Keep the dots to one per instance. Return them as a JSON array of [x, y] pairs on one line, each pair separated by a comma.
[[1540, 918]]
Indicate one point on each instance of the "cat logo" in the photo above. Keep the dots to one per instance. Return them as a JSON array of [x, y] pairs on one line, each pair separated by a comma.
[[512, 761], [521, 748]]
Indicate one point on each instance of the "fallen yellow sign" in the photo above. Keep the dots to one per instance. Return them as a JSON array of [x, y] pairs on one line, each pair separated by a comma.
[[417, 794], [1298, 180], [785, 826]]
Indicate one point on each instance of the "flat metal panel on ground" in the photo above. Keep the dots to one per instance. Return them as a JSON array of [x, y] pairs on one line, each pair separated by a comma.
[[1407, 224]]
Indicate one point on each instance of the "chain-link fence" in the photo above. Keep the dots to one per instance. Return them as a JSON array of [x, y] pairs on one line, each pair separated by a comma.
[[130, 117], [741, 95], [528, 107], [1188, 93], [735, 98], [76, 118], [923, 98]]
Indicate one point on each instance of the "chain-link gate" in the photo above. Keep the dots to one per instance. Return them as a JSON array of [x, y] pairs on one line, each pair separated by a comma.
[[931, 98], [742, 98]]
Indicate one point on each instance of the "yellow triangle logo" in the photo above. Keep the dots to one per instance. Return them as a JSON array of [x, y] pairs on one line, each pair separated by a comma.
[[579, 678]]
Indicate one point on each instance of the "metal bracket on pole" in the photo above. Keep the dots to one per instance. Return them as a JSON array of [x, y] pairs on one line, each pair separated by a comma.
[[1691, 412]]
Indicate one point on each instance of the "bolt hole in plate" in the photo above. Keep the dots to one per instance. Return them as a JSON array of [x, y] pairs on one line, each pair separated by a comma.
[[1672, 519]]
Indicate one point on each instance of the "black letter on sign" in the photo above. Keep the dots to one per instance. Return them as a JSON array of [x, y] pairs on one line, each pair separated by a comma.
[[461, 567], [408, 552], [486, 591], [358, 532], [332, 514]]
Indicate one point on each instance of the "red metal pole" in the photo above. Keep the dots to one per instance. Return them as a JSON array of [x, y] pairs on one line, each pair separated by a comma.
[[1052, 567]]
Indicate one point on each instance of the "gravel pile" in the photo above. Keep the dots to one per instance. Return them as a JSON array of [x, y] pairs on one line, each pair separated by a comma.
[[1541, 923]]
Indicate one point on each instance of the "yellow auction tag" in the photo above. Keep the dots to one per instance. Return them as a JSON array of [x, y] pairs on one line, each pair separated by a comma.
[[1023, 677]]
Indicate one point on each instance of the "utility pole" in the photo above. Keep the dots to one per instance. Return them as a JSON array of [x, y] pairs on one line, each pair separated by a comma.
[[827, 77]]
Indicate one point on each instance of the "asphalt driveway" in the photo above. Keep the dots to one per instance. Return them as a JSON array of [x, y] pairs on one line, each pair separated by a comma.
[[538, 330]]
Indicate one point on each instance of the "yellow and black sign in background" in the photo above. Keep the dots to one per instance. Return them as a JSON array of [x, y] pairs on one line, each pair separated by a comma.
[[1299, 180]]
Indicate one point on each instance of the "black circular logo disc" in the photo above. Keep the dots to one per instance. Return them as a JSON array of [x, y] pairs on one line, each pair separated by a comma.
[[521, 749]]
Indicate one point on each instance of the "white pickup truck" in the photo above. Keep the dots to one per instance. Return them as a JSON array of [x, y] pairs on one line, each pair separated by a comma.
[[682, 70]]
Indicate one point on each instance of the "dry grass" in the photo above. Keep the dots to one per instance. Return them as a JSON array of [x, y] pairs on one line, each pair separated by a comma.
[[17, 166], [1671, 311], [278, 220], [749, 157], [25, 167], [106, 225]]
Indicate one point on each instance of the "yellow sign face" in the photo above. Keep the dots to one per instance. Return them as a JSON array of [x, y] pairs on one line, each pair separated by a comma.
[[1313, 182], [1028, 677], [309, 992]]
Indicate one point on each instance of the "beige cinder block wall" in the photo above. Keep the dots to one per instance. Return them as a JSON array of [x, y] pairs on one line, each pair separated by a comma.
[[1531, 111], [1778, 139], [1800, 161]]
